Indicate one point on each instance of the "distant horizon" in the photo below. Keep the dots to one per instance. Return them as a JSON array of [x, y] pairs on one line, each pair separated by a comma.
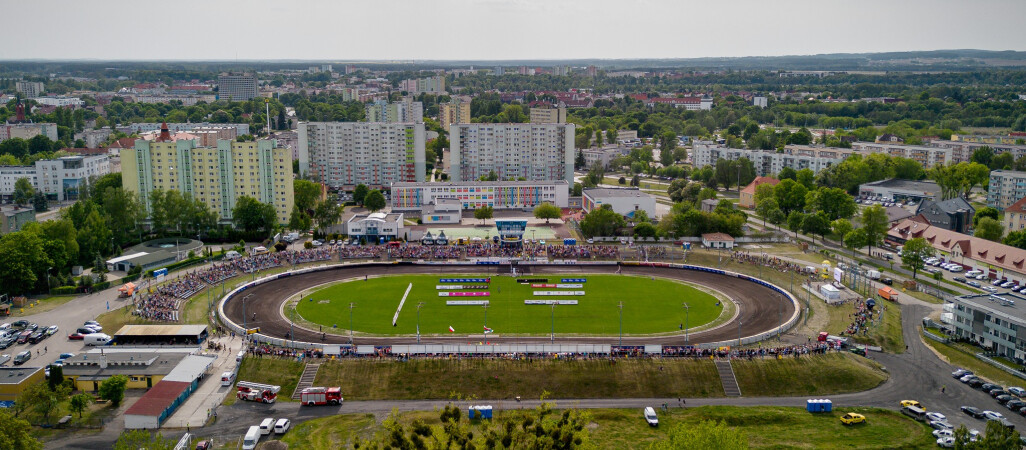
[[499, 30]]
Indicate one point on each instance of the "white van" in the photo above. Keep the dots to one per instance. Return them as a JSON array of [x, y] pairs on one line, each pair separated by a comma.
[[227, 378], [232, 254], [96, 339], [252, 438], [281, 426], [651, 417], [238, 358], [266, 426]]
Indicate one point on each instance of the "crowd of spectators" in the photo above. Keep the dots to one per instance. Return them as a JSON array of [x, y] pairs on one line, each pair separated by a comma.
[[768, 261], [860, 318], [361, 252], [184, 286], [583, 251], [157, 306]]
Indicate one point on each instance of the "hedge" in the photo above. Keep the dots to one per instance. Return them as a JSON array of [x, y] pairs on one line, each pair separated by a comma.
[[62, 290]]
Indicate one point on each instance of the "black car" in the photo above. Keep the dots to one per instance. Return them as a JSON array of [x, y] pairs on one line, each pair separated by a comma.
[[22, 358], [37, 337], [1015, 405], [959, 279], [31, 327], [975, 382], [999, 392], [1002, 399], [972, 411], [887, 281], [987, 387], [21, 324]]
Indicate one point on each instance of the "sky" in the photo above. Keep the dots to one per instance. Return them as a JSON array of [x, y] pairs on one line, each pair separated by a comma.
[[357, 30]]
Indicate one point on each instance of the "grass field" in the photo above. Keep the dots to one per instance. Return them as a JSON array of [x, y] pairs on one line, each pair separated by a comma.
[[596, 378], [649, 307], [962, 355], [886, 334], [765, 427]]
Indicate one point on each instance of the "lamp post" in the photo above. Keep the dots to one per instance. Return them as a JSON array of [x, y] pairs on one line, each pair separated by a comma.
[[244, 322], [351, 306], [553, 317], [419, 305], [687, 325], [485, 306], [739, 335], [620, 305]]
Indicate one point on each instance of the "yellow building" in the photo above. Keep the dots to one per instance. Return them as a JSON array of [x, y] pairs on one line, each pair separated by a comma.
[[453, 112], [14, 380], [550, 114], [216, 176]]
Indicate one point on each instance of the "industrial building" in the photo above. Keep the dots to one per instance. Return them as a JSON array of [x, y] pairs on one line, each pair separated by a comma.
[[897, 190], [376, 227], [623, 201]]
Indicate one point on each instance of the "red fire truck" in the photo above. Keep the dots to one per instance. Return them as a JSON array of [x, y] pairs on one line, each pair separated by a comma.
[[256, 392], [321, 396]]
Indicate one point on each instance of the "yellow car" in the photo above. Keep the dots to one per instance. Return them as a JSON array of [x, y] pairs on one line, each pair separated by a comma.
[[852, 419], [907, 403]]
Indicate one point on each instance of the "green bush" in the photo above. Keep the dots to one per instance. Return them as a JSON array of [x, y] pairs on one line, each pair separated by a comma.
[[63, 290], [101, 285]]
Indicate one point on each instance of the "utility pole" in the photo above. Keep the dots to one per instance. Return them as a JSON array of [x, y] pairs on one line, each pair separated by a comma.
[[351, 306], [620, 305], [687, 325], [419, 305], [485, 306], [739, 335], [553, 316]]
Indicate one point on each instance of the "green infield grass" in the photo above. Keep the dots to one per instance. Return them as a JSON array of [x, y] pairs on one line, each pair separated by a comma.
[[650, 306]]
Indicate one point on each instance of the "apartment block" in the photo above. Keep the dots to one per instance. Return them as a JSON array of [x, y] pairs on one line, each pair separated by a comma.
[[60, 179], [925, 155], [345, 154], [768, 162], [403, 111], [477, 194], [430, 85], [217, 176], [29, 89], [513, 151], [1006, 187], [240, 128], [453, 112], [28, 131], [236, 87], [552, 114]]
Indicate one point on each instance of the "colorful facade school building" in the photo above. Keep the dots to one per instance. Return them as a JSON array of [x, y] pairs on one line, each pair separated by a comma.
[[473, 195]]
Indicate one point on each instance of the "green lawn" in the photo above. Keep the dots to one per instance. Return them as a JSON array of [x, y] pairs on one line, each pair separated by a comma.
[[962, 355], [764, 427], [592, 378], [886, 334], [41, 305], [649, 306]]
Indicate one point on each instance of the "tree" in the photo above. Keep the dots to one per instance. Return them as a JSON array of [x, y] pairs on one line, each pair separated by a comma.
[[1016, 239], [841, 227], [547, 211], [44, 401], [79, 403], [23, 261], [914, 252], [787, 173], [807, 178], [124, 212], [113, 389], [484, 213], [39, 202], [645, 229], [794, 222], [327, 213], [874, 225], [790, 195], [23, 191], [854, 240], [667, 143], [307, 193], [986, 211], [834, 202], [622, 181], [360, 193], [766, 208], [56, 377], [16, 433], [138, 439], [251, 215], [602, 222], [957, 180], [706, 434], [299, 220], [996, 437], [989, 229], [374, 201], [816, 225]]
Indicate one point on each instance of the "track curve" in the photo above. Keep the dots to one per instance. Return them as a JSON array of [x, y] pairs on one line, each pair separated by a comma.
[[761, 308]]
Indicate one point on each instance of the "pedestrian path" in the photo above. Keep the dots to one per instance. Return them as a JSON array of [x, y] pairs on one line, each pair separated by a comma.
[[306, 379], [730, 387]]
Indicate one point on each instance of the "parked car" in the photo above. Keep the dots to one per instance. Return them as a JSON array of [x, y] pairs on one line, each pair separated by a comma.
[[959, 279], [959, 373], [943, 433], [1018, 391], [650, 416], [990, 289], [86, 330], [940, 425], [19, 324], [37, 337], [51, 330], [973, 283], [853, 418], [987, 387], [936, 416], [66, 355], [997, 282], [1015, 405], [981, 277], [1007, 284], [972, 411], [887, 281], [1002, 399], [992, 415], [998, 392], [975, 382], [22, 358], [76, 337]]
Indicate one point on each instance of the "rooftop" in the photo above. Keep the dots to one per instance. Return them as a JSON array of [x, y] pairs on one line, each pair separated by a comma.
[[89, 366], [717, 237], [15, 375], [158, 399], [615, 192], [909, 185], [478, 183], [750, 189], [161, 330], [993, 253], [1010, 305]]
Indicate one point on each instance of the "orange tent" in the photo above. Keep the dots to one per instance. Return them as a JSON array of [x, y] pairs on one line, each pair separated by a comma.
[[127, 290]]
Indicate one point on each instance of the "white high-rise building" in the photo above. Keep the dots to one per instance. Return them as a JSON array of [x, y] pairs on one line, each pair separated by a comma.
[[29, 89], [236, 87], [60, 178], [529, 151], [345, 154]]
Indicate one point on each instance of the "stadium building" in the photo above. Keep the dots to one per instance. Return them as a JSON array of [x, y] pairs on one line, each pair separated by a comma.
[[476, 194]]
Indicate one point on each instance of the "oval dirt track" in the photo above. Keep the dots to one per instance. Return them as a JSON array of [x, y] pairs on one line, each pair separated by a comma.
[[760, 307]]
